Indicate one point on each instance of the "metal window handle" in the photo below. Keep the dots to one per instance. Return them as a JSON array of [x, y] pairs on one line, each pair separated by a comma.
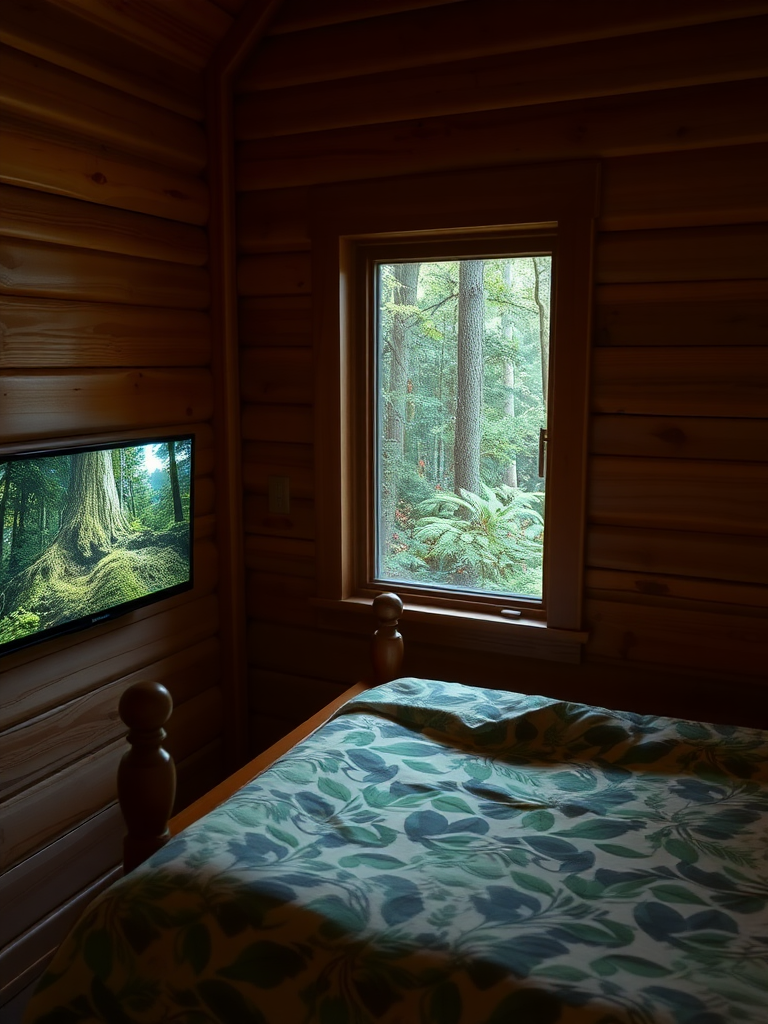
[[543, 438]]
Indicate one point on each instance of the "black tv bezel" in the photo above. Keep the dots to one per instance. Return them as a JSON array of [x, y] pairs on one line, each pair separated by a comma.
[[56, 447]]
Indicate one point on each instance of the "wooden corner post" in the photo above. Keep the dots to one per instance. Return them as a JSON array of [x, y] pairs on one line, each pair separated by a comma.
[[146, 778], [387, 653]]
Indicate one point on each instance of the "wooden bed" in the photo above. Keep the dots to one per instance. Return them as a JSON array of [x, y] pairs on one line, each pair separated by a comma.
[[423, 851]]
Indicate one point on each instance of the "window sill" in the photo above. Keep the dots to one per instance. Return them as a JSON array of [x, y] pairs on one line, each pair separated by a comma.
[[478, 631]]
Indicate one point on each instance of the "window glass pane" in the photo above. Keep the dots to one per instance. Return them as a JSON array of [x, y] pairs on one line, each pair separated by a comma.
[[463, 356]]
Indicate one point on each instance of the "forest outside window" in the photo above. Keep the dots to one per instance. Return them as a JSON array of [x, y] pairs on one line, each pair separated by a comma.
[[461, 362], [452, 399]]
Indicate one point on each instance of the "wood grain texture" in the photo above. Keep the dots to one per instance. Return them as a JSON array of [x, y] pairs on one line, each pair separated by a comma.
[[666, 591], [74, 167], [276, 320], [292, 423], [196, 723], [724, 252], [732, 645], [702, 187], [680, 381], [254, 767], [40, 217], [110, 651], [285, 555], [295, 15], [274, 221], [277, 274], [689, 313], [22, 960], [186, 32], [682, 553], [697, 55], [675, 691], [462, 31], [38, 333], [59, 871], [42, 29], [61, 736], [40, 270], [299, 523], [37, 90], [685, 437], [262, 459], [226, 58], [199, 772], [73, 402], [676, 119], [677, 494], [42, 813], [265, 590], [277, 376]]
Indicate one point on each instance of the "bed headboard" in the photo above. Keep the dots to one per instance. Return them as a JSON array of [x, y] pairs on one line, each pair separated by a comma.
[[146, 779]]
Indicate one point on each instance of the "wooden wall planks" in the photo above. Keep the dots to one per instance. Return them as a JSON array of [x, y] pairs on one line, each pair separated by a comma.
[[40, 270], [687, 188], [680, 381], [682, 553], [676, 544], [669, 119], [692, 314], [62, 100], [421, 38], [722, 253], [66, 165], [105, 331], [696, 55], [45, 30], [39, 405], [39, 217], [688, 437], [49, 333], [679, 494], [184, 32]]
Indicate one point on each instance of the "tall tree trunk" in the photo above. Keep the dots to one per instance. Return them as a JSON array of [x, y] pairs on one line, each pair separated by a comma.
[[178, 512], [469, 400], [93, 518], [393, 442], [3, 506], [541, 293], [510, 472], [404, 294]]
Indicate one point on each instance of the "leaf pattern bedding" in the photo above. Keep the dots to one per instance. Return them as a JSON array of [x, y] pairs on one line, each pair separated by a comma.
[[452, 855]]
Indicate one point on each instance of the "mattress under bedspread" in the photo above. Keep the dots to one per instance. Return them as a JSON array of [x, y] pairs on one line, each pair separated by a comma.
[[452, 855]]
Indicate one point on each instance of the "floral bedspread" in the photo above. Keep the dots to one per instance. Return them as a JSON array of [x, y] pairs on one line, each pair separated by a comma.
[[451, 855]]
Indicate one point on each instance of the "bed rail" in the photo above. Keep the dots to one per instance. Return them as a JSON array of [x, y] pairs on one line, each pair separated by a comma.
[[146, 779]]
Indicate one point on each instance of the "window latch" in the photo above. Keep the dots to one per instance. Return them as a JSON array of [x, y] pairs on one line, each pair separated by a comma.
[[543, 438]]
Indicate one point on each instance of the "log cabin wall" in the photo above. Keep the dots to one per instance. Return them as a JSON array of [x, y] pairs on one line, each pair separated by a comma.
[[106, 330], [671, 98]]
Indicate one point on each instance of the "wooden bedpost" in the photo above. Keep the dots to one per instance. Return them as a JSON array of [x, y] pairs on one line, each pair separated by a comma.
[[387, 654], [146, 778]]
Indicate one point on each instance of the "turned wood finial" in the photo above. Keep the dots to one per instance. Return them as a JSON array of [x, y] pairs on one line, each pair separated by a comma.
[[387, 653], [146, 778]]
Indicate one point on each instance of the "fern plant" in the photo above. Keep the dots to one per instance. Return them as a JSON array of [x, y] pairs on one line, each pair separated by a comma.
[[491, 541]]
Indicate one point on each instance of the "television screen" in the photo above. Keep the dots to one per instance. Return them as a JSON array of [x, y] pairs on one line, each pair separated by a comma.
[[91, 532]]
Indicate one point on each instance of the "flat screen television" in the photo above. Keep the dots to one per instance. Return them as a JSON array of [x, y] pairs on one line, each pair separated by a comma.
[[92, 531]]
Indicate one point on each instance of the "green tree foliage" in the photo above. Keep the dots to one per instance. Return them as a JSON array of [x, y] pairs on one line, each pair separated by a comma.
[[464, 356], [82, 532]]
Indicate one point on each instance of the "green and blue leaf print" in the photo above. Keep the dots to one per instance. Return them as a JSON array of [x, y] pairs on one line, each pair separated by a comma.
[[440, 854]]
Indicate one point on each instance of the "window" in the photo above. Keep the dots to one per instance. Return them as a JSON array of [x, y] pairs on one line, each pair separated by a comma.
[[452, 399], [461, 369]]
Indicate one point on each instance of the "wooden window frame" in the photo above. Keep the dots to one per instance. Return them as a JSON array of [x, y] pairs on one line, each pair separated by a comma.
[[462, 211]]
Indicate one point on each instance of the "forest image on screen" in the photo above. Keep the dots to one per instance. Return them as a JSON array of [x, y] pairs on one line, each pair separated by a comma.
[[87, 532]]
